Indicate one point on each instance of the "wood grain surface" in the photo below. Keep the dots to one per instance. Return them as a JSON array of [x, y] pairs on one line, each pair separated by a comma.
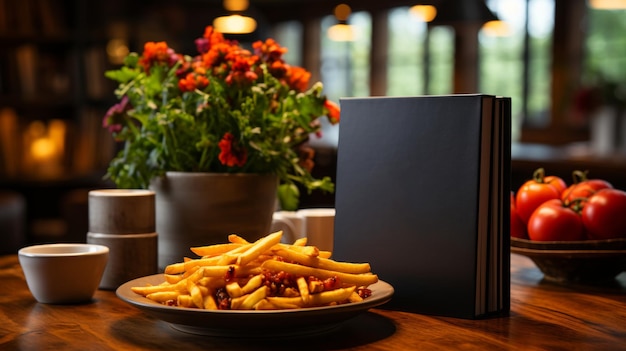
[[544, 316]]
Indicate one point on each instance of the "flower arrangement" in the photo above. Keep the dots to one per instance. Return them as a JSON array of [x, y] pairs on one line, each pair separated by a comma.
[[227, 110]]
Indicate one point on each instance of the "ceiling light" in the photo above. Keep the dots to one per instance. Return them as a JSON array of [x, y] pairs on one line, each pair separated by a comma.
[[234, 24], [496, 28], [424, 13], [342, 31], [607, 4], [236, 5], [342, 12]]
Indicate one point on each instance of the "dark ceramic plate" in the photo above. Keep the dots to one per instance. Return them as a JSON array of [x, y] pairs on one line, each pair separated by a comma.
[[252, 324], [592, 261]]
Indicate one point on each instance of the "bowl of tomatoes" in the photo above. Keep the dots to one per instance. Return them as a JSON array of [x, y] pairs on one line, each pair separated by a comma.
[[574, 233]]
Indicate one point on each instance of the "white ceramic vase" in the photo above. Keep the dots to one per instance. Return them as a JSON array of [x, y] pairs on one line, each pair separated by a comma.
[[608, 131]]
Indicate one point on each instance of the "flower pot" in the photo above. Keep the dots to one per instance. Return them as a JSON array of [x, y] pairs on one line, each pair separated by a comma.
[[197, 209]]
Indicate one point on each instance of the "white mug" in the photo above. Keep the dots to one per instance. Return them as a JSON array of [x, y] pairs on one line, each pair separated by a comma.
[[316, 224]]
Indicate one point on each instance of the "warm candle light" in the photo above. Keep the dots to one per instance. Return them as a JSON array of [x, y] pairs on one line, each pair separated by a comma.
[[45, 145], [42, 149], [56, 133], [117, 50]]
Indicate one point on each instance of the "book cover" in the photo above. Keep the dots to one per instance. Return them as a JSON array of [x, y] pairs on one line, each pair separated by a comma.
[[415, 198]]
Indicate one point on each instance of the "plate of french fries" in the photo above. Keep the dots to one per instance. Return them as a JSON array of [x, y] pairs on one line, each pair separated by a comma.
[[264, 288]]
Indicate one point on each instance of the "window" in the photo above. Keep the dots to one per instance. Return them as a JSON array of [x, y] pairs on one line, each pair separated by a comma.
[[503, 68], [405, 73], [289, 35], [605, 47], [345, 65], [420, 59], [540, 31], [441, 66]]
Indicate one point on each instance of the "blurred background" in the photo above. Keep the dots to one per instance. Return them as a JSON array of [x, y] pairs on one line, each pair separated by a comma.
[[563, 62]]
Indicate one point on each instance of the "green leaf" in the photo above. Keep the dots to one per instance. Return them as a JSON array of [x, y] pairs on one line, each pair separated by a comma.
[[122, 75], [131, 60]]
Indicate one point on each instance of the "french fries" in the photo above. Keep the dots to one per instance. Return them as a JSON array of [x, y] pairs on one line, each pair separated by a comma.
[[262, 275]]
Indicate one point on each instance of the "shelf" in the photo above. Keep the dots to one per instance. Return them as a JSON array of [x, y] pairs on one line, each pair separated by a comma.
[[46, 101]]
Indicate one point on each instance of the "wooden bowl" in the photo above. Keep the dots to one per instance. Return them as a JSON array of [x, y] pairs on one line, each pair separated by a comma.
[[587, 262]]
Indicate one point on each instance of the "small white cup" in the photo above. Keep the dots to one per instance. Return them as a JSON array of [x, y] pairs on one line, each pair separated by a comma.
[[316, 224], [63, 273]]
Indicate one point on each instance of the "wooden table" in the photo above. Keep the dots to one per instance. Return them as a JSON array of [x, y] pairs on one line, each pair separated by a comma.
[[543, 316]]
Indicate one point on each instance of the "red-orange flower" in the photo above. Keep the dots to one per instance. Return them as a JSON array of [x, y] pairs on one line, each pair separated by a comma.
[[192, 82], [216, 55], [232, 154], [298, 78], [157, 52], [333, 111], [241, 73], [278, 69], [213, 36], [210, 39], [269, 51]]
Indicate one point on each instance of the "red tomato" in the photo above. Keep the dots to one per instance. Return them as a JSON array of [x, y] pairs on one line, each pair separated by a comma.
[[583, 187], [518, 228], [604, 214], [556, 182], [535, 192], [553, 221]]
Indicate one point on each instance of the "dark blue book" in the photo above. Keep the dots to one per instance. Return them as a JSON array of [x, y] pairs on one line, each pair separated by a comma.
[[422, 193]]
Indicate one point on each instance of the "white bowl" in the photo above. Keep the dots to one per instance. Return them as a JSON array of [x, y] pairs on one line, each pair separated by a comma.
[[63, 273]]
